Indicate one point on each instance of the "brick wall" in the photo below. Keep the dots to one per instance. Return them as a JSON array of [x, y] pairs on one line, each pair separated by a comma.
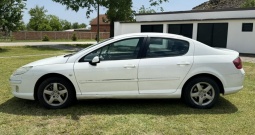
[[102, 28], [53, 35]]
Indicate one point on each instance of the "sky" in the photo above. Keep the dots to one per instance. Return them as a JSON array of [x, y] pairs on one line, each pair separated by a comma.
[[80, 16]]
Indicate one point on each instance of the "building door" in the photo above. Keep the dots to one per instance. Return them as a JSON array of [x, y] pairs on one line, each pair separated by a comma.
[[181, 29], [213, 34]]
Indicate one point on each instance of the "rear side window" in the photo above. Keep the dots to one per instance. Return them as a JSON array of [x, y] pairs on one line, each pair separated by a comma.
[[166, 47]]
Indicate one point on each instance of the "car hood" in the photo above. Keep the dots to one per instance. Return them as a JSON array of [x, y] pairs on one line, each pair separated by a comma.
[[49, 61]]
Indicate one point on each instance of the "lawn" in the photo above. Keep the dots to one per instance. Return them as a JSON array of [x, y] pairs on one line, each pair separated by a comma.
[[234, 114]]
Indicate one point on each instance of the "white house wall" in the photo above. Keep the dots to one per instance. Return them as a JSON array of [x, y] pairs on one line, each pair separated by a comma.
[[243, 42]]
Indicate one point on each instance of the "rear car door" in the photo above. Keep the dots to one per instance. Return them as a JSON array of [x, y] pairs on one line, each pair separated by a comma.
[[165, 64]]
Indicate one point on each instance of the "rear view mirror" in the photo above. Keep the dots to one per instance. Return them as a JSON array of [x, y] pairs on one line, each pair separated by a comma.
[[95, 60]]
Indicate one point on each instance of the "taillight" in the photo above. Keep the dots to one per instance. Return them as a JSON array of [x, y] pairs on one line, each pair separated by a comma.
[[238, 63]]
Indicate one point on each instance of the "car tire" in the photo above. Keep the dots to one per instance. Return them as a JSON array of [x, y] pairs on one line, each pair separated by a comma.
[[202, 93], [55, 93]]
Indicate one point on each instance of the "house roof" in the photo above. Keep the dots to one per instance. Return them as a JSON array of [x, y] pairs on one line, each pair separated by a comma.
[[198, 15], [197, 11], [102, 20]]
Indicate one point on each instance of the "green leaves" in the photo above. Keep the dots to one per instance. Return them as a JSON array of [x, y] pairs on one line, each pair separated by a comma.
[[40, 21], [11, 14], [249, 3]]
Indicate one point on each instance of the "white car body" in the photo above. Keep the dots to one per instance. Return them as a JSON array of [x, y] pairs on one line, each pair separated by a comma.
[[136, 78]]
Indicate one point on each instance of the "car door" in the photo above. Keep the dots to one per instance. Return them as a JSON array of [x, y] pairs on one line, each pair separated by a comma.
[[117, 71], [166, 63]]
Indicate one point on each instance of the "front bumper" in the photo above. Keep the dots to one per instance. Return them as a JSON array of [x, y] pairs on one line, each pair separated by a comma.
[[22, 87]]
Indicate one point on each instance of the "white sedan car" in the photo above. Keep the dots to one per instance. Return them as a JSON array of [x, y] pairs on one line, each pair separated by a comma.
[[144, 65]]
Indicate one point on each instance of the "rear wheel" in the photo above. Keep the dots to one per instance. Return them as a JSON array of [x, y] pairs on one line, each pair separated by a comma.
[[55, 93], [201, 93]]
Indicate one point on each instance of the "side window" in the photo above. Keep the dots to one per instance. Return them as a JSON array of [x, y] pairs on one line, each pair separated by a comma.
[[120, 50], [247, 27], [164, 47]]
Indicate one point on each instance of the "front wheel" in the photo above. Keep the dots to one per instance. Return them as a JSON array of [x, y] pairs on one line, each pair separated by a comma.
[[55, 93], [201, 93]]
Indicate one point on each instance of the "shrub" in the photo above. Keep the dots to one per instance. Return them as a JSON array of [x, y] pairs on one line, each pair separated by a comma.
[[46, 38], [12, 38], [74, 38]]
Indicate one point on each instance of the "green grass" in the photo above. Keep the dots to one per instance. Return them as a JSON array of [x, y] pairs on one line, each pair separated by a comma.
[[27, 50], [79, 45], [234, 114]]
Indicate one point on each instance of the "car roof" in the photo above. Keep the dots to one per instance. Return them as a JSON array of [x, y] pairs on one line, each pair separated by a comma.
[[150, 35]]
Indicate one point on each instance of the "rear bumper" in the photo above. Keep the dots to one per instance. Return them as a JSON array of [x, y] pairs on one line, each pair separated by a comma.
[[232, 90], [234, 82]]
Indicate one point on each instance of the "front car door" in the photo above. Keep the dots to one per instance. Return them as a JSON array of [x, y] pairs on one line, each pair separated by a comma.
[[166, 63], [117, 71]]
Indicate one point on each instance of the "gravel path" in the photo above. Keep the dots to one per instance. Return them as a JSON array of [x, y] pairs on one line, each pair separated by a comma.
[[250, 59]]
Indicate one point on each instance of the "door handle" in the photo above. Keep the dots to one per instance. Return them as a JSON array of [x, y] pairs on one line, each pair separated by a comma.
[[129, 66], [183, 63]]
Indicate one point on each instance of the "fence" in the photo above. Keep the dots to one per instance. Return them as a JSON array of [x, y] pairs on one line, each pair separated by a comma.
[[56, 35]]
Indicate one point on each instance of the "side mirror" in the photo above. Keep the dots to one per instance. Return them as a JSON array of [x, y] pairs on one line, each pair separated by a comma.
[[95, 60]]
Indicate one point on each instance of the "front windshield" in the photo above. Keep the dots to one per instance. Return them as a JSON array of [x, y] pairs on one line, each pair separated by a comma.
[[89, 47]]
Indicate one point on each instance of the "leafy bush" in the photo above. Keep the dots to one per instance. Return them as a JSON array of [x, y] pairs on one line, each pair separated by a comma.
[[12, 38], [46, 38], [74, 37]]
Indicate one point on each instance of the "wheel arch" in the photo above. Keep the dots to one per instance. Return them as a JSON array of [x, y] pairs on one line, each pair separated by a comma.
[[46, 76], [216, 79]]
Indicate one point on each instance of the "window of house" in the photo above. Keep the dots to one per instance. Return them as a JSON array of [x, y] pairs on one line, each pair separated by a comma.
[[247, 27], [152, 28], [120, 50], [181, 29], [163, 47]]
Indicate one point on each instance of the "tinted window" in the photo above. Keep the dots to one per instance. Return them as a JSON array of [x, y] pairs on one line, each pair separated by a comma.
[[120, 50], [181, 29], [213, 34], [152, 28], [247, 27], [162, 47]]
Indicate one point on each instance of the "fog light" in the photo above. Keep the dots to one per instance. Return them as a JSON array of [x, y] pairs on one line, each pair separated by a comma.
[[17, 88]]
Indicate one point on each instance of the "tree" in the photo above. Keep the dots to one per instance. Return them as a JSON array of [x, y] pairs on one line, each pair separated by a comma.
[[249, 3], [75, 25], [66, 25], [38, 20], [11, 14], [83, 25], [118, 10], [22, 26], [54, 22], [144, 10]]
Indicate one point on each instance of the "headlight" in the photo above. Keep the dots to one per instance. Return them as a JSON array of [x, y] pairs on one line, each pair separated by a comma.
[[22, 70]]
